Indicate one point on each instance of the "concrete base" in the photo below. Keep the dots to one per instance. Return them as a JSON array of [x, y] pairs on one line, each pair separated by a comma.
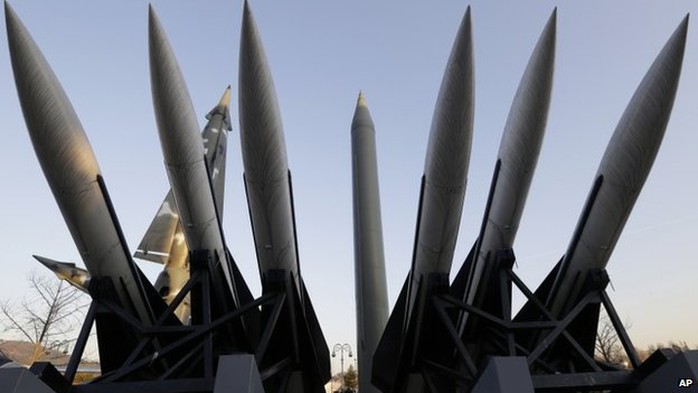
[[21, 380], [505, 375], [237, 374], [678, 374]]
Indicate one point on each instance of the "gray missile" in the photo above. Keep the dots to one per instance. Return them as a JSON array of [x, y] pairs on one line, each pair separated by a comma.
[[270, 202], [446, 167], [72, 172], [438, 220], [264, 158], [621, 174], [164, 240], [75, 276], [516, 161], [369, 261], [185, 158]]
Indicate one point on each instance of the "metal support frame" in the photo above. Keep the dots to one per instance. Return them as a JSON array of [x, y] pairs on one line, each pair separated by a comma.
[[464, 370], [190, 345]]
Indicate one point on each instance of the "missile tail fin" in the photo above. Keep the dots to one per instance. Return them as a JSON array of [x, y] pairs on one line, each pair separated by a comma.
[[157, 240], [316, 340], [385, 359]]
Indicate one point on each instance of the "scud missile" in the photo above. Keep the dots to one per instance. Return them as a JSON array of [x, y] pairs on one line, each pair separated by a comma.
[[441, 202], [164, 240], [516, 161], [621, 174], [188, 173], [369, 260], [270, 202], [74, 177]]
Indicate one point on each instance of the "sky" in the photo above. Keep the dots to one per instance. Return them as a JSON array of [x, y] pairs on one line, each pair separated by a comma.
[[321, 53]]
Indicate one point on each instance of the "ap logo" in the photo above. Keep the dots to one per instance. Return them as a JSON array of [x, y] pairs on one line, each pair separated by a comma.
[[685, 383]]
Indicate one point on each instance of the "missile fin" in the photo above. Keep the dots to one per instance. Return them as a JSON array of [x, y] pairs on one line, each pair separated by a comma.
[[388, 351], [316, 339], [157, 240]]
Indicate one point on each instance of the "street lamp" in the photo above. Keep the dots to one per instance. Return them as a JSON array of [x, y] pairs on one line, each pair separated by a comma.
[[341, 348]]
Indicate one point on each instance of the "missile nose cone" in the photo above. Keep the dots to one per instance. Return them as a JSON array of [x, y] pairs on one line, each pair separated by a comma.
[[450, 139], [261, 129], [647, 114], [174, 111], [525, 126], [362, 117], [361, 101], [55, 130], [225, 99]]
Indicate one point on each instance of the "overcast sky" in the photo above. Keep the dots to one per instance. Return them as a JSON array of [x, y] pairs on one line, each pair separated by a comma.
[[321, 54]]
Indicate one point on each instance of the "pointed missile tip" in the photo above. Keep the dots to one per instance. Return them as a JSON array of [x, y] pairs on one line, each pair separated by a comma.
[[246, 9], [10, 15], [684, 22], [225, 99], [361, 101], [553, 17], [551, 24]]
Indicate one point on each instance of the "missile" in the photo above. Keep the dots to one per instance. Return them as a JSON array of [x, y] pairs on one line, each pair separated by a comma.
[[75, 276], [75, 179], [164, 240], [621, 174], [188, 173], [264, 158], [369, 261], [270, 202], [440, 207], [620, 177], [516, 161]]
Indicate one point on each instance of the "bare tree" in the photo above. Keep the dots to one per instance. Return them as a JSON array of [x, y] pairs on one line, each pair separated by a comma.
[[608, 347], [48, 316]]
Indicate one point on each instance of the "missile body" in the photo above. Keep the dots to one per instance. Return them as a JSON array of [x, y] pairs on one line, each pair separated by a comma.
[[621, 174], [74, 177], [441, 203], [371, 291], [297, 333], [72, 172], [186, 163], [516, 161], [164, 240], [446, 167], [264, 158]]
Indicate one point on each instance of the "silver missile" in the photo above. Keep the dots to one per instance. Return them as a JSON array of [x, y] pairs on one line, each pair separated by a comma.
[[270, 203], [164, 240], [446, 167], [441, 203], [264, 158], [621, 174], [369, 261], [72, 172], [516, 161], [185, 158]]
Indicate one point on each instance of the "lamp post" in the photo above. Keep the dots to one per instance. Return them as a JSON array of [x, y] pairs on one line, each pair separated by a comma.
[[341, 348]]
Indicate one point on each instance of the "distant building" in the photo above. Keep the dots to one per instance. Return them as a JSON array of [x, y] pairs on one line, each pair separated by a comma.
[[20, 353]]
